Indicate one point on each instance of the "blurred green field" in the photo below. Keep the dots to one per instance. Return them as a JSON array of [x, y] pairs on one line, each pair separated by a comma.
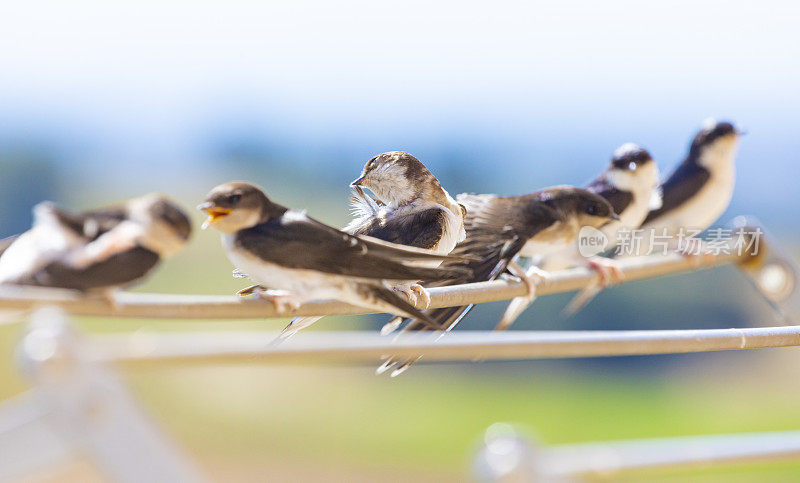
[[259, 423]]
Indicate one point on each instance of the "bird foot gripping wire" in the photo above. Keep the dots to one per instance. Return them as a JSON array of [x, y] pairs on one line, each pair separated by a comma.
[[608, 271], [414, 292], [281, 299], [251, 290]]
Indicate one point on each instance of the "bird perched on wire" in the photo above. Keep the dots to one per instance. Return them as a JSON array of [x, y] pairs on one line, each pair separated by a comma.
[[700, 188], [298, 258], [96, 250], [630, 184], [500, 228], [412, 208]]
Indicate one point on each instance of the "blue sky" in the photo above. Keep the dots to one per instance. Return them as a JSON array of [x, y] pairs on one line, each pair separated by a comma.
[[528, 94]]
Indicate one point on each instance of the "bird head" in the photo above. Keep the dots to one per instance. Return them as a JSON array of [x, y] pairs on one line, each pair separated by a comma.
[[715, 144], [236, 205], [397, 178], [632, 169], [592, 209], [167, 228]]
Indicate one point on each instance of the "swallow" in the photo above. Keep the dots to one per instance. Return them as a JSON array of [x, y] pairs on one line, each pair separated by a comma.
[[501, 228], [412, 208], [97, 250], [700, 188], [298, 258], [631, 184]]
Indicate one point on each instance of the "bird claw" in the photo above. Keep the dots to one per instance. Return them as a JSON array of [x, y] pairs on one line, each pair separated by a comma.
[[404, 289], [423, 294], [282, 301], [251, 290], [108, 295], [607, 270], [531, 279], [414, 292], [538, 273]]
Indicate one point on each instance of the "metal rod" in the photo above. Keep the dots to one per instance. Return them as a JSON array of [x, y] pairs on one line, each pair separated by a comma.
[[250, 347], [167, 306], [603, 459], [511, 455]]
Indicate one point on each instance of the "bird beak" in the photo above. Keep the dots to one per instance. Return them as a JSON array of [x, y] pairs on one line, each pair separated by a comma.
[[214, 212], [358, 181], [614, 217]]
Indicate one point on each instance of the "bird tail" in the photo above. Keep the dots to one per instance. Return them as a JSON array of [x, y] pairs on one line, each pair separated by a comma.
[[296, 325], [514, 309], [581, 299], [445, 319], [492, 263], [384, 298], [397, 365], [383, 295], [442, 273]]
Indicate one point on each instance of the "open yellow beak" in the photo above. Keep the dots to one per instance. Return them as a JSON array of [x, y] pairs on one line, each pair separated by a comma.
[[214, 213]]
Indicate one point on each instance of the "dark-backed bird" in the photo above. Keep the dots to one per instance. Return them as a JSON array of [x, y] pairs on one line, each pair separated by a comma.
[[500, 228], [95, 250], [630, 184], [700, 188], [412, 208], [297, 258]]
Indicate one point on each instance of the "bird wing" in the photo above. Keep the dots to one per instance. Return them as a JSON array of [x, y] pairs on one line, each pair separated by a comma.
[[297, 241], [421, 229], [497, 229], [48, 212], [686, 181], [495, 234], [121, 268], [88, 224]]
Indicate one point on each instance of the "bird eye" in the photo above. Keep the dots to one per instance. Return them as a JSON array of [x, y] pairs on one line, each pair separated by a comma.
[[591, 210], [233, 199]]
